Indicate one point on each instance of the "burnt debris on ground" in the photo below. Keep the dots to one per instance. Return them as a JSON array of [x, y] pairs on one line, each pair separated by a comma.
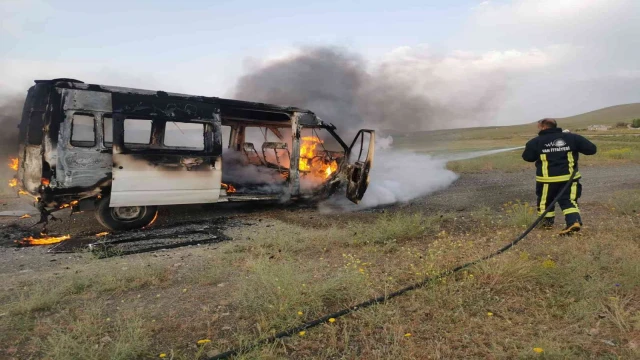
[[152, 239], [132, 242]]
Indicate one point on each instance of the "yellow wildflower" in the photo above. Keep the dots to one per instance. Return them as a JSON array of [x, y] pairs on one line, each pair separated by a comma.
[[203, 341], [301, 333], [299, 313], [162, 356], [407, 335], [538, 350], [489, 313], [332, 320]]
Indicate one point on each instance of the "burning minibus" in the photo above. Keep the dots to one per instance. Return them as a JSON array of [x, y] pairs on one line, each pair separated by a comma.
[[123, 152]]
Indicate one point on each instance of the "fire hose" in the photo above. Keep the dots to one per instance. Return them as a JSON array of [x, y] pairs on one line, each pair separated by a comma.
[[384, 298]]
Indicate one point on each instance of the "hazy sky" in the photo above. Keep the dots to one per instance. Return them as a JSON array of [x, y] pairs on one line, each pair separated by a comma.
[[529, 58]]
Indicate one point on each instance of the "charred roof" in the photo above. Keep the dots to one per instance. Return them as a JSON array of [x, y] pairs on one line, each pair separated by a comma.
[[229, 108]]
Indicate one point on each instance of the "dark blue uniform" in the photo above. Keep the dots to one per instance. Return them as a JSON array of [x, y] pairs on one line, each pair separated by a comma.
[[556, 156]]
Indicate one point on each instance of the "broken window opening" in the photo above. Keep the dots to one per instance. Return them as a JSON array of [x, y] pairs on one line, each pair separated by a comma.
[[320, 155], [137, 131], [360, 148], [36, 122], [226, 136], [267, 146], [83, 132], [184, 135], [261, 166]]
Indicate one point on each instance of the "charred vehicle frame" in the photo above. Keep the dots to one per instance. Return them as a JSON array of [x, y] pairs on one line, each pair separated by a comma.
[[110, 149]]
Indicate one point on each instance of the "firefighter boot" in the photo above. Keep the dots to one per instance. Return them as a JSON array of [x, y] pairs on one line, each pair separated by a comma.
[[574, 223]]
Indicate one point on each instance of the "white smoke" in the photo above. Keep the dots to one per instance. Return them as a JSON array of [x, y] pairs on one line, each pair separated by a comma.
[[250, 178], [399, 176]]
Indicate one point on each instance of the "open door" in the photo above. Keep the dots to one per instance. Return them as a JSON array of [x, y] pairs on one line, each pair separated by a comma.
[[165, 162], [360, 159]]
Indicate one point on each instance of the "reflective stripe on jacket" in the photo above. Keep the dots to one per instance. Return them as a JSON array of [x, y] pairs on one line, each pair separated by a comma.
[[556, 154]]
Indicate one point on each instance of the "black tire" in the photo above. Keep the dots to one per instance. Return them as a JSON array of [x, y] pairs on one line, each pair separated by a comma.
[[124, 218]]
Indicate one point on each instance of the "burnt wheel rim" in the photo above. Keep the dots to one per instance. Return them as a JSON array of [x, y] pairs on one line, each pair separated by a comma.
[[127, 213]]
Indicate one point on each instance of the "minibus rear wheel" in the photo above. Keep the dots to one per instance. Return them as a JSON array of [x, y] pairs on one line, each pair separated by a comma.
[[124, 217]]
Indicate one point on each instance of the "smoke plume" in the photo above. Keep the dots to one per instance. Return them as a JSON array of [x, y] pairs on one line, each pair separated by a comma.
[[399, 95], [404, 92]]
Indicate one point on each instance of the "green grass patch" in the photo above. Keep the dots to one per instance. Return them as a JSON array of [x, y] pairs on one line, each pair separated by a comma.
[[619, 154]]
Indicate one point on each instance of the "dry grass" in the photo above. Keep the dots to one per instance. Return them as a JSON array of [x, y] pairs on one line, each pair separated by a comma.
[[280, 294], [91, 334], [626, 202], [520, 214], [574, 298]]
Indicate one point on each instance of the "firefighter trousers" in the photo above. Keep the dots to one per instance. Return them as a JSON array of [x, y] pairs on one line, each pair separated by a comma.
[[568, 202]]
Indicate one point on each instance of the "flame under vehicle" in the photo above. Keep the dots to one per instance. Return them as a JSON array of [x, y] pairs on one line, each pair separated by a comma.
[[123, 152]]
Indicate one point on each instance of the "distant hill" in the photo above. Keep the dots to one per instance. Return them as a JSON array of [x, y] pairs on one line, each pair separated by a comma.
[[494, 137], [606, 116]]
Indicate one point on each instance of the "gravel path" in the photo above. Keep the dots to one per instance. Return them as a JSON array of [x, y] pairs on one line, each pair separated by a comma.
[[495, 188]]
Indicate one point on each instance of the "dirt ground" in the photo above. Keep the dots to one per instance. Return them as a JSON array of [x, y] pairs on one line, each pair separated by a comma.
[[470, 191]]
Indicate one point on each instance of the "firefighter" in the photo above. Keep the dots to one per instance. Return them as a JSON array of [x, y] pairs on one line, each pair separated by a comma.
[[556, 156]]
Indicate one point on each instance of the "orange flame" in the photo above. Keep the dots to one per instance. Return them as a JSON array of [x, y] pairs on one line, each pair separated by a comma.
[[13, 183], [25, 216], [155, 217], [64, 206], [14, 164], [230, 188], [47, 240], [22, 192], [104, 233], [311, 162]]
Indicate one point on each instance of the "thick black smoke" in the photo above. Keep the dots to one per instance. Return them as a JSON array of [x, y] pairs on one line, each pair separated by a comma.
[[327, 81], [400, 95]]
